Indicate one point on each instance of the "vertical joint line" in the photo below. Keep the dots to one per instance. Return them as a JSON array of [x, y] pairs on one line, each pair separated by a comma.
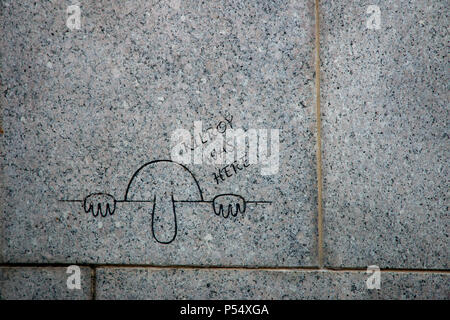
[[93, 282], [319, 137]]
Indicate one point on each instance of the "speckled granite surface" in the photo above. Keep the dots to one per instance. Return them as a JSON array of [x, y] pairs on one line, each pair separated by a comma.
[[385, 134], [47, 283], [84, 109], [131, 283]]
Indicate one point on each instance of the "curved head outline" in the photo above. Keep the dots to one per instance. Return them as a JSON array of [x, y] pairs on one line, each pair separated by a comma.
[[156, 161]]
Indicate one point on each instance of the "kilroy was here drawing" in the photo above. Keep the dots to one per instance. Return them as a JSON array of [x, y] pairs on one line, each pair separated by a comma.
[[166, 183]]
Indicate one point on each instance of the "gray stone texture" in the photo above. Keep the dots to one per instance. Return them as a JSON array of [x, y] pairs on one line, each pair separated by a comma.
[[42, 283], [154, 283], [385, 134], [84, 109]]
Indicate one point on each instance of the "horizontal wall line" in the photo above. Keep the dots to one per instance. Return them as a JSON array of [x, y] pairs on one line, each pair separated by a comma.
[[230, 268]]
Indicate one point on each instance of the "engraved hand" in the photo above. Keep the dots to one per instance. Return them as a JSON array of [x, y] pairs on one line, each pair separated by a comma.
[[99, 203], [228, 204]]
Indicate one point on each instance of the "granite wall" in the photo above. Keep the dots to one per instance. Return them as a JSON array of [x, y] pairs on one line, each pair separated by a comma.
[[247, 149]]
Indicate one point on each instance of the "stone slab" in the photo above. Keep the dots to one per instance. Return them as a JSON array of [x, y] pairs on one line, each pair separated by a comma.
[[385, 134], [203, 284], [42, 283], [84, 109]]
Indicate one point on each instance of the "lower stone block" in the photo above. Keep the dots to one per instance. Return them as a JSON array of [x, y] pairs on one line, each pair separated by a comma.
[[46, 283], [176, 283]]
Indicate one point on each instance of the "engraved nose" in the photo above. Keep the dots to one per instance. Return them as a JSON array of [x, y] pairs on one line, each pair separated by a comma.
[[164, 218]]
